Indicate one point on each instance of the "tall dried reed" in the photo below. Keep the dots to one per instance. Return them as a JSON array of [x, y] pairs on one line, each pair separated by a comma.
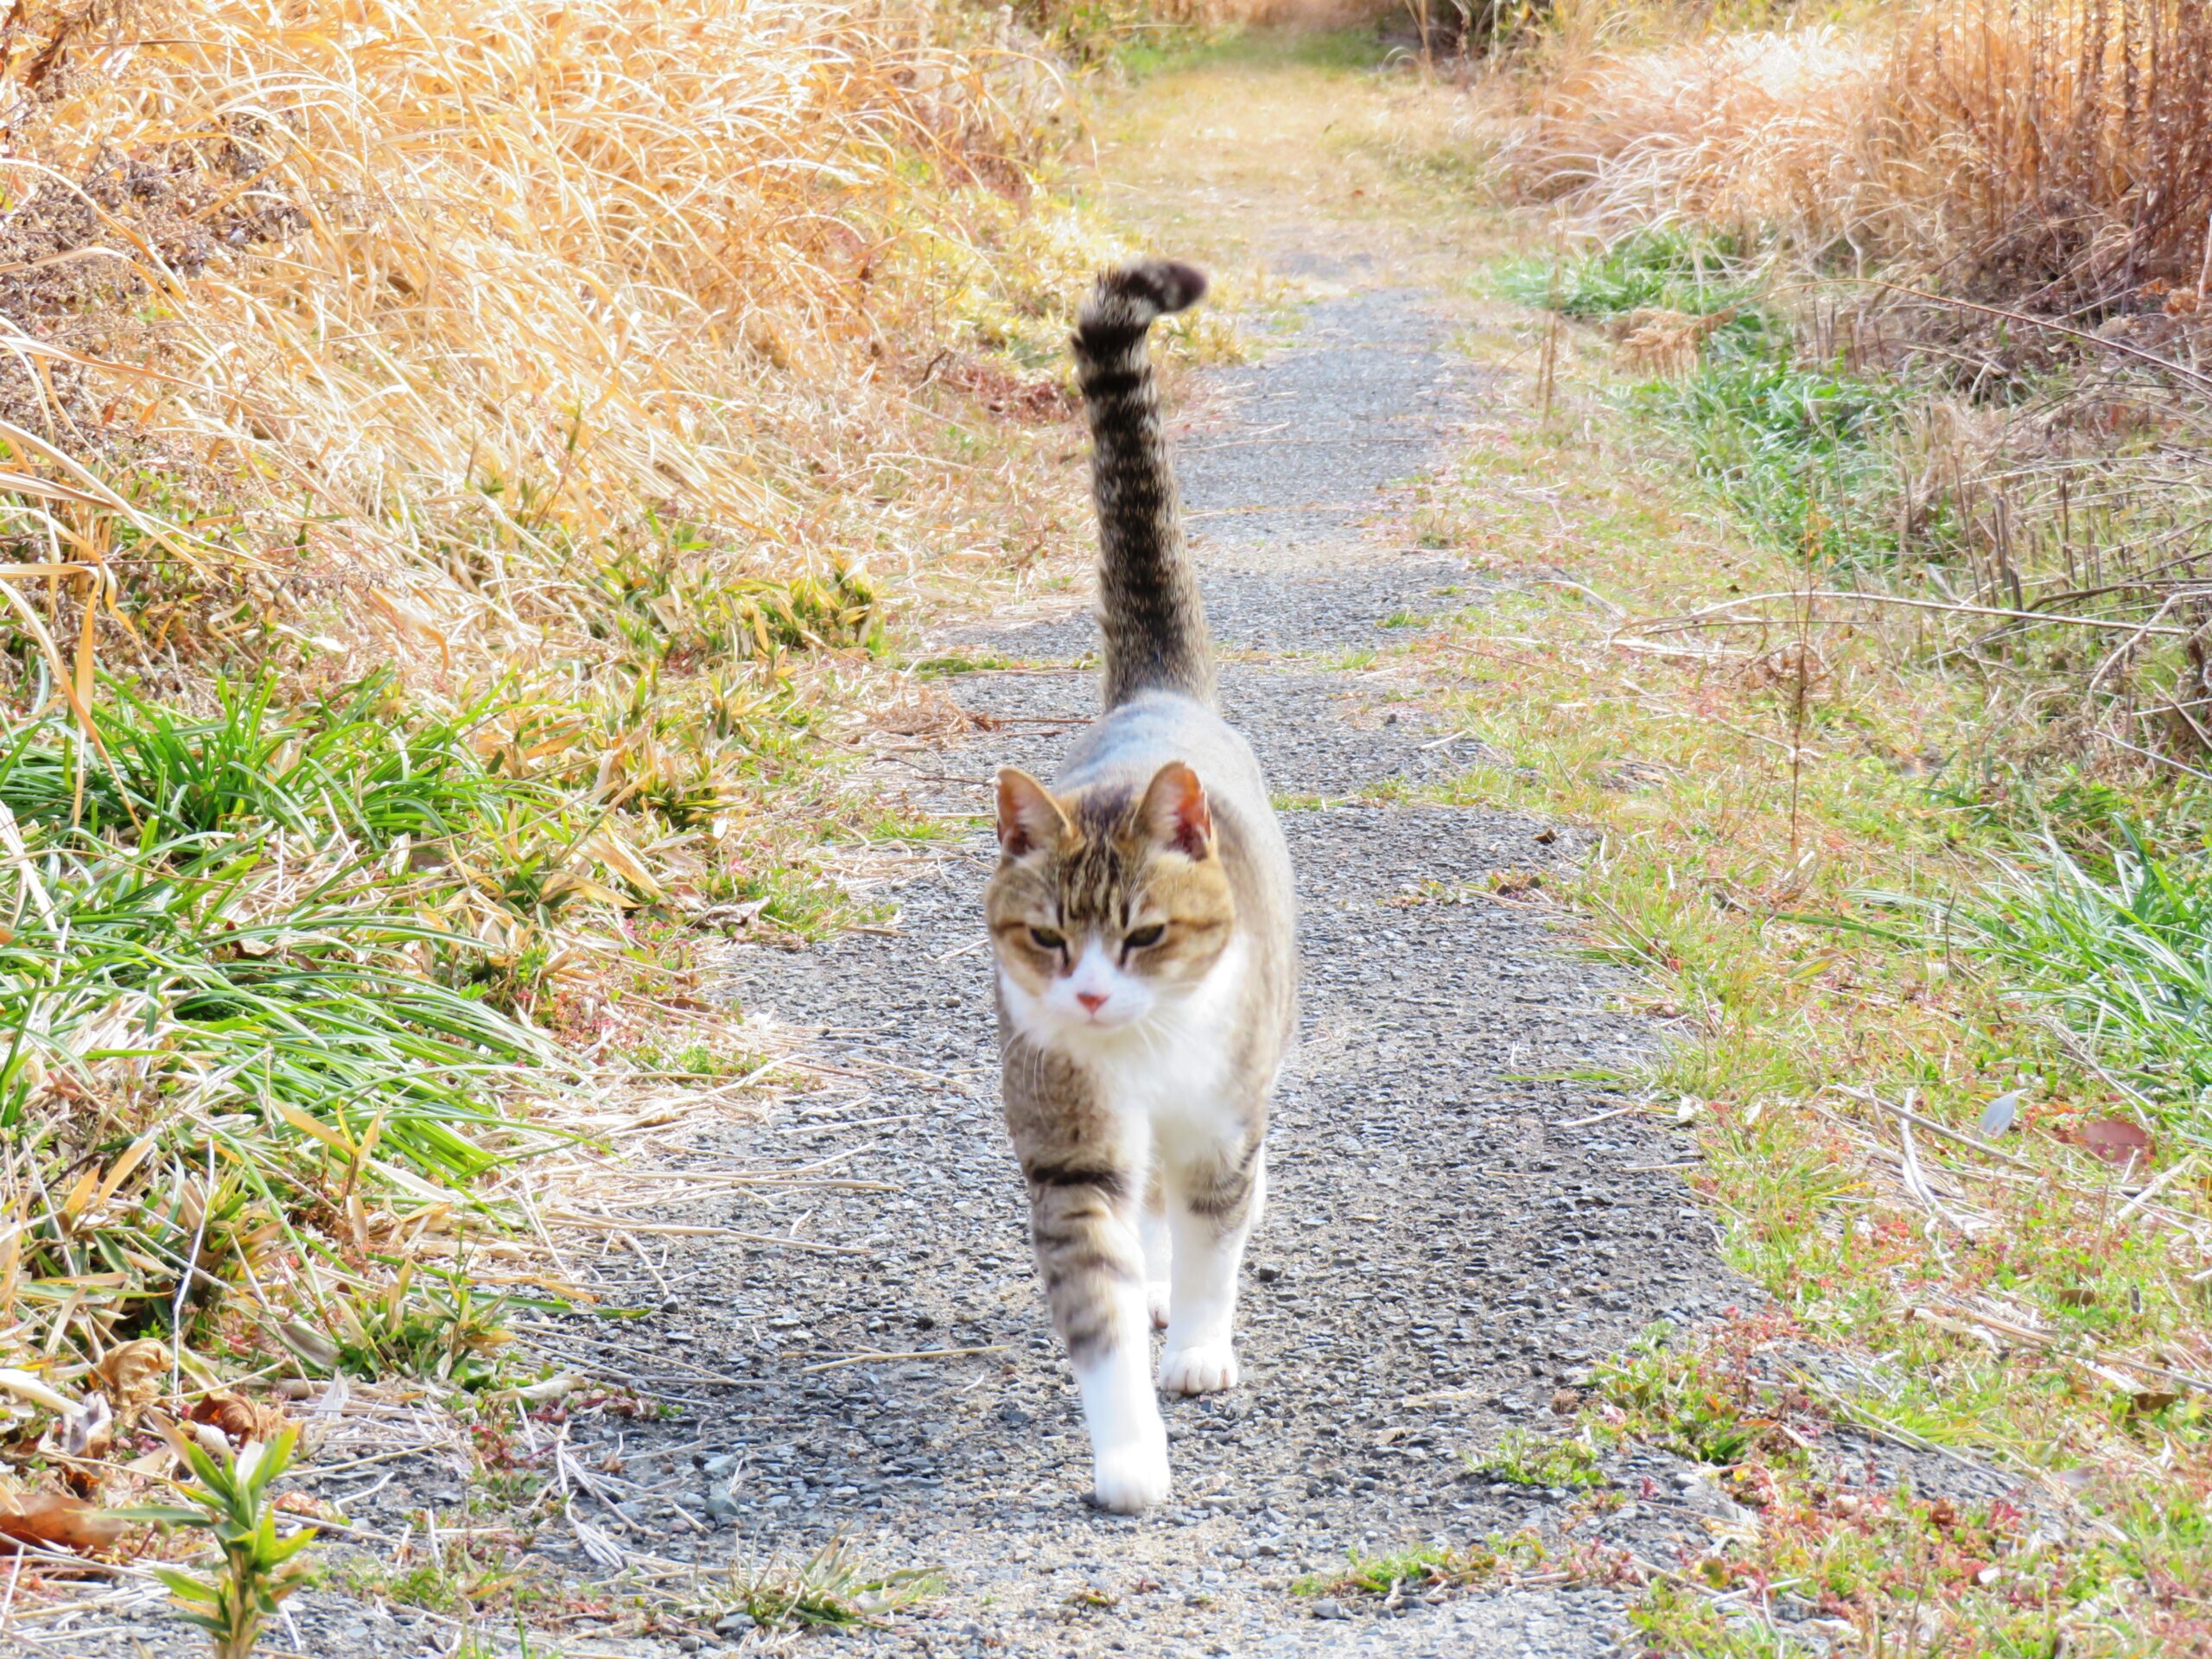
[[2054, 154], [1752, 131]]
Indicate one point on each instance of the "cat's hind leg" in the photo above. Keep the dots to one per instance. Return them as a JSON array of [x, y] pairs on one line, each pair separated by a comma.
[[1212, 1207]]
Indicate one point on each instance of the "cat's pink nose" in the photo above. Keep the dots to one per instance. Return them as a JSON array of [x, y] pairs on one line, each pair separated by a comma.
[[1092, 1000]]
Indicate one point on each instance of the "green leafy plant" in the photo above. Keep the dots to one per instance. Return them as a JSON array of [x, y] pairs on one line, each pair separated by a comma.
[[258, 1569], [1655, 269], [1528, 1459], [830, 1589], [1673, 1399]]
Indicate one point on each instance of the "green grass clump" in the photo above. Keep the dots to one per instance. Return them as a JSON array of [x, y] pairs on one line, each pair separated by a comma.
[[667, 606], [1529, 1459], [170, 957], [1662, 269], [1803, 453], [2122, 955], [243, 1012], [352, 760], [832, 1589], [1425, 1566]]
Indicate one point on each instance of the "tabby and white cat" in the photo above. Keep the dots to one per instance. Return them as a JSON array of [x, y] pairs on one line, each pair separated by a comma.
[[1143, 920]]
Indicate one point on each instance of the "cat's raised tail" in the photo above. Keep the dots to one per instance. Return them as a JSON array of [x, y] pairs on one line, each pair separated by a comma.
[[1154, 626]]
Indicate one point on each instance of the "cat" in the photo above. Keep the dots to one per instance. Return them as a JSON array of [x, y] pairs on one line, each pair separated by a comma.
[[1144, 928]]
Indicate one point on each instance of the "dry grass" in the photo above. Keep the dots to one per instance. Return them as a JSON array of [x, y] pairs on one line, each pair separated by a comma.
[[2051, 154], [510, 405], [1734, 129], [1995, 219], [394, 320]]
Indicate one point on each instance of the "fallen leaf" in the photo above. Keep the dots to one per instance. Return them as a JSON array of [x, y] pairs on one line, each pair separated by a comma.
[[2147, 1401], [2117, 1141], [236, 1418], [49, 1520], [130, 1375]]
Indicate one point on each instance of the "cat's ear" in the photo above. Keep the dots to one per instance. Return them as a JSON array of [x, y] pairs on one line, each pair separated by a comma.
[[1176, 811], [1028, 816]]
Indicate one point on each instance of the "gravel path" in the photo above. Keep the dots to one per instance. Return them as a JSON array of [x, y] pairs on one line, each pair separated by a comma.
[[1452, 1233]]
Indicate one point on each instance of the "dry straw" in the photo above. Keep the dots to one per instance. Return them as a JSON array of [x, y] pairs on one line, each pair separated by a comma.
[[429, 301], [2053, 154]]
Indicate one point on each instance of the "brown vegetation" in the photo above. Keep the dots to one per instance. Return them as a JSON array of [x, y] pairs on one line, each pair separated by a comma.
[[2051, 153], [416, 310], [457, 432]]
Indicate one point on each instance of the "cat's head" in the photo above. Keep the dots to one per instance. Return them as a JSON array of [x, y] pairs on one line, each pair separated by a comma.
[[1109, 905]]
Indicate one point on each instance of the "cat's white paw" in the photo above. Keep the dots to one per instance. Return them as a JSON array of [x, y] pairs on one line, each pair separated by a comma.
[[1156, 1302], [1129, 1478], [1203, 1368]]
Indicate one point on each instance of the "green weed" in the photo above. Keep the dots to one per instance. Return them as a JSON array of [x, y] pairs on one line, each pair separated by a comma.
[[1667, 269], [831, 1589], [2123, 957], [452, 1334], [1676, 1400], [1529, 1459], [1425, 1566], [944, 668], [465, 1575], [258, 1570], [669, 601], [1804, 455]]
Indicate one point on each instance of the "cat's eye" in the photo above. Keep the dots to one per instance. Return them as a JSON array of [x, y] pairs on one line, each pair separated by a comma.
[[1047, 938], [1138, 938]]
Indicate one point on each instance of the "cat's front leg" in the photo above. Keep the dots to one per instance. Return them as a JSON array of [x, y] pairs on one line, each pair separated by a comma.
[[1152, 1228], [1082, 1222], [1212, 1206]]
